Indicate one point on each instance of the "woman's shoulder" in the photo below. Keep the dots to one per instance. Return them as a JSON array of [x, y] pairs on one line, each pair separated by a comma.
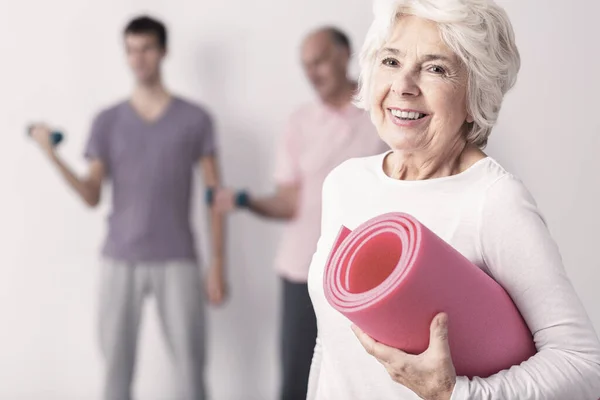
[[505, 190]]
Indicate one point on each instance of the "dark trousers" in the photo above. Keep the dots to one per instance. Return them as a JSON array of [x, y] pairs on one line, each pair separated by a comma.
[[298, 338]]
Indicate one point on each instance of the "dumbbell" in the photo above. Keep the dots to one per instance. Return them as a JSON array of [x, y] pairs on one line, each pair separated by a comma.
[[242, 198], [55, 137]]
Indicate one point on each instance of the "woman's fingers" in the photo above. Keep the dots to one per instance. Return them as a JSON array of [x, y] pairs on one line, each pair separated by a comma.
[[438, 336], [381, 352]]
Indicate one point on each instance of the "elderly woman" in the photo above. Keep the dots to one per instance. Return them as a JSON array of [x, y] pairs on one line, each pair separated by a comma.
[[434, 73]]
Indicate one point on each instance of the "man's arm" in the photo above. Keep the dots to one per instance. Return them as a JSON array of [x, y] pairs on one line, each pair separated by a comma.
[[89, 187], [216, 289], [210, 171], [281, 205]]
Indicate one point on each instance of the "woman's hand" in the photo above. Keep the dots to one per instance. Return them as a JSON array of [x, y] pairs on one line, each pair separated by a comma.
[[430, 375]]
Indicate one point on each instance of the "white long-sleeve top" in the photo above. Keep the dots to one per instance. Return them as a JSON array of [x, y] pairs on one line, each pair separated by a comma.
[[490, 217]]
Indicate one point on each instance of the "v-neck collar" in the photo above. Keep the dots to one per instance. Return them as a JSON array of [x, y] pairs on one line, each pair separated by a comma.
[[156, 120]]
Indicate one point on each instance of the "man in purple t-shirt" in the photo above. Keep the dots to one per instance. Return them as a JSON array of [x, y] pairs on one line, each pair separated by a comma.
[[148, 147]]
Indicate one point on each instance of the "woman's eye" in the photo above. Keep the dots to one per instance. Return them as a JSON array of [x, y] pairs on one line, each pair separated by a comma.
[[390, 62], [436, 69]]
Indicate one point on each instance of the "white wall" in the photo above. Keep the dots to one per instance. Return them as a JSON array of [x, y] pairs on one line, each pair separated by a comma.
[[62, 60]]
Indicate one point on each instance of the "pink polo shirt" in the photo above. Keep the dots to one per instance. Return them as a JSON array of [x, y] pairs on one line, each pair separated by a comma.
[[317, 139]]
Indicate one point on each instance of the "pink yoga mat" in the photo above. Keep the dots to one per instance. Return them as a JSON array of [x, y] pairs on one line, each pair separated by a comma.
[[392, 275]]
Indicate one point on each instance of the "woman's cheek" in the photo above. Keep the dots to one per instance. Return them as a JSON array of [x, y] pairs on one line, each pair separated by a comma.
[[382, 83]]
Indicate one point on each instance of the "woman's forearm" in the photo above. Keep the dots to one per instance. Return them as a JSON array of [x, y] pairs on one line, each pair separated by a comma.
[[523, 258]]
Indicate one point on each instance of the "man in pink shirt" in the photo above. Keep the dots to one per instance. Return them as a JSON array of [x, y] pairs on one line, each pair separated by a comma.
[[318, 138]]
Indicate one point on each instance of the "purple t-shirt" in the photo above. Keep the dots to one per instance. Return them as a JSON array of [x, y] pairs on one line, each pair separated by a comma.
[[151, 169]]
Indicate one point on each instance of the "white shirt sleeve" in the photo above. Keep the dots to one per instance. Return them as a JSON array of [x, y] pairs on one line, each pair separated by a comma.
[[521, 255]]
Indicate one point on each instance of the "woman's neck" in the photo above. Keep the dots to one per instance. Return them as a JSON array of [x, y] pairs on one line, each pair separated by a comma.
[[427, 164]]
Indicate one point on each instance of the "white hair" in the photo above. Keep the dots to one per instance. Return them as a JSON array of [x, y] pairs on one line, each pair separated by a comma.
[[477, 31]]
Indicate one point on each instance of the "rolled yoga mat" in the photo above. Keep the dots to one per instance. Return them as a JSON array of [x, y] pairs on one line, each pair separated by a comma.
[[392, 275]]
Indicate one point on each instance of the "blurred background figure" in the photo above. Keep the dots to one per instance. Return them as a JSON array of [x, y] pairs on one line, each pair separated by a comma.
[[319, 136], [148, 146]]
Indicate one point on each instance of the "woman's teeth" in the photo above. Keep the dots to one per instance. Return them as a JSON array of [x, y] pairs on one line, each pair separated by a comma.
[[411, 115]]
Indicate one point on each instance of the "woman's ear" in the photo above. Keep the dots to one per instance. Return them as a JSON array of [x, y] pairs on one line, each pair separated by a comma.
[[470, 119]]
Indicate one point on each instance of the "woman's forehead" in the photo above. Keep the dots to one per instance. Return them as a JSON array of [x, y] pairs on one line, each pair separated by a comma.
[[414, 34]]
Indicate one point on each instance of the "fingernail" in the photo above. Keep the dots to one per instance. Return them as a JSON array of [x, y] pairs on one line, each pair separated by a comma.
[[443, 320]]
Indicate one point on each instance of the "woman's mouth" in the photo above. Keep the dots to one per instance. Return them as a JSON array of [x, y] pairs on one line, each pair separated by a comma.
[[406, 115]]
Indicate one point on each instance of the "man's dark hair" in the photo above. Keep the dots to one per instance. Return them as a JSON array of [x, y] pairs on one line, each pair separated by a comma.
[[147, 25], [340, 38]]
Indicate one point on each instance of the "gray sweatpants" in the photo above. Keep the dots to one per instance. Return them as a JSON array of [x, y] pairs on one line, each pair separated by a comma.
[[180, 301]]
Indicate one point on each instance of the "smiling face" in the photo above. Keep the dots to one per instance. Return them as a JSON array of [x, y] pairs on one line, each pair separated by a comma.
[[419, 92]]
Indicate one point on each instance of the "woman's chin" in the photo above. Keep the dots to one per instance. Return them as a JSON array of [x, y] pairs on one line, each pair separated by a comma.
[[402, 142]]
